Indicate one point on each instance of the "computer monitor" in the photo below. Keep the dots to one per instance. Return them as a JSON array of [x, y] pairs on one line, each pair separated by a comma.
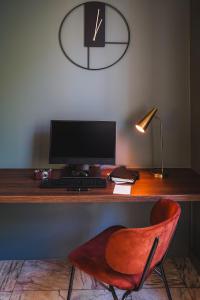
[[82, 142]]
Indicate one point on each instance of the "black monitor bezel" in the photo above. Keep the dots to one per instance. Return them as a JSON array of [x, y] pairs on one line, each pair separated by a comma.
[[81, 160]]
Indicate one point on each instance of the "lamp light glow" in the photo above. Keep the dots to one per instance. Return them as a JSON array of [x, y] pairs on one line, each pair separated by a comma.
[[139, 128]]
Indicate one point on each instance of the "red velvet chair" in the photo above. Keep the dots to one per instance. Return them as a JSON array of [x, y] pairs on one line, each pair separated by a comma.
[[124, 257]]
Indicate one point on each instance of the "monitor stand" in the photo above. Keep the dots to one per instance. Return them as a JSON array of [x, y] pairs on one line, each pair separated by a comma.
[[77, 170]]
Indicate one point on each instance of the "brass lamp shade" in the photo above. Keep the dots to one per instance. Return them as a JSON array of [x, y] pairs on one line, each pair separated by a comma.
[[144, 122]]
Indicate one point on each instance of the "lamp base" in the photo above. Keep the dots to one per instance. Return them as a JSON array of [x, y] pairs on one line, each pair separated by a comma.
[[159, 174]]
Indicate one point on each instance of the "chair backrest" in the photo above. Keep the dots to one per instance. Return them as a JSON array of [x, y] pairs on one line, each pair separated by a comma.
[[127, 249]]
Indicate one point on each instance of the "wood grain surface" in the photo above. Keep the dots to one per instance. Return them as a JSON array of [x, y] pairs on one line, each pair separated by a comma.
[[19, 186]]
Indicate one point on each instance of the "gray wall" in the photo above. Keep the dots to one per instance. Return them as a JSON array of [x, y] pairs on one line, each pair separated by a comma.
[[195, 113], [38, 84], [51, 231]]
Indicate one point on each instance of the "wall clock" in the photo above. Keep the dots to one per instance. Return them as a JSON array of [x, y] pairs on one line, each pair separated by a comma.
[[94, 35]]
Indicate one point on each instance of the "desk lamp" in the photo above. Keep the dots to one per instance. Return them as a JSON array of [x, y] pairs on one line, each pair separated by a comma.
[[142, 125]]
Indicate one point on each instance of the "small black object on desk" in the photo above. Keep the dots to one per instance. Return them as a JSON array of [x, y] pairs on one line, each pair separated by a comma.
[[78, 170]]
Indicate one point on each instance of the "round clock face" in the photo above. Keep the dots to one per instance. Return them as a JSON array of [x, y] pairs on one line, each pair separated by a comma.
[[94, 35]]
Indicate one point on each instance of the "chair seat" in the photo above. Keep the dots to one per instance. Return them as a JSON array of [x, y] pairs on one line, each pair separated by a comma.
[[90, 258]]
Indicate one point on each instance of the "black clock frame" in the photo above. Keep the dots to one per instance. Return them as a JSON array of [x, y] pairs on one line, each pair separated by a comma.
[[88, 48]]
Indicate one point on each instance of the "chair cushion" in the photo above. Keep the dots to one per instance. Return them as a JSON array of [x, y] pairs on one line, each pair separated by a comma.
[[90, 258]]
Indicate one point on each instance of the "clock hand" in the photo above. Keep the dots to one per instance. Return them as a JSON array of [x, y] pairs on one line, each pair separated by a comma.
[[96, 31], [97, 25], [97, 19]]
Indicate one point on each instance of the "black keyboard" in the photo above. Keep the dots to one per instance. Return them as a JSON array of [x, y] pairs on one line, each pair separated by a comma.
[[74, 182]]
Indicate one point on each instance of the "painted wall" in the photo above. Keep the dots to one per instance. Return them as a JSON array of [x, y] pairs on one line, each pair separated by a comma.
[[37, 83], [50, 231], [195, 113]]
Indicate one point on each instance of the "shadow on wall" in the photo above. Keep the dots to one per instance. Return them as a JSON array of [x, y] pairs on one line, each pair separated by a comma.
[[40, 148], [38, 231], [43, 230]]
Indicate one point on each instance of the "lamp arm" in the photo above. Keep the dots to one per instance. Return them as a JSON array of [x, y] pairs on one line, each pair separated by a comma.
[[161, 143]]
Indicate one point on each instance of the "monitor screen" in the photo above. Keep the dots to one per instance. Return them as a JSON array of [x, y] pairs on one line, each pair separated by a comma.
[[82, 142]]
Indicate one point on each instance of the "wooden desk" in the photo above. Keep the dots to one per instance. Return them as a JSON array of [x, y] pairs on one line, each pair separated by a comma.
[[18, 186]]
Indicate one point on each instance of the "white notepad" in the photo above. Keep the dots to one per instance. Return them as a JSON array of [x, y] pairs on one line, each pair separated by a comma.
[[122, 189]]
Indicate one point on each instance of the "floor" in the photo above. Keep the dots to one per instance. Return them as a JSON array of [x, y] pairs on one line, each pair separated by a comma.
[[42, 280]]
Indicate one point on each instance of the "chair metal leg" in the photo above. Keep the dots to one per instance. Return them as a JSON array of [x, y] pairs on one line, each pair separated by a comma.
[[165, 282], [71, 283], [126, 294], [112, 290]]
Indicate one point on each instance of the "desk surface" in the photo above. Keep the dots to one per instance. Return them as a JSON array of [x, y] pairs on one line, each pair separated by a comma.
[[18, 186]]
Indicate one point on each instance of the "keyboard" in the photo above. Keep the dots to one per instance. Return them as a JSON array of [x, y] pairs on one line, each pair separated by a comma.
[[74, 182]]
